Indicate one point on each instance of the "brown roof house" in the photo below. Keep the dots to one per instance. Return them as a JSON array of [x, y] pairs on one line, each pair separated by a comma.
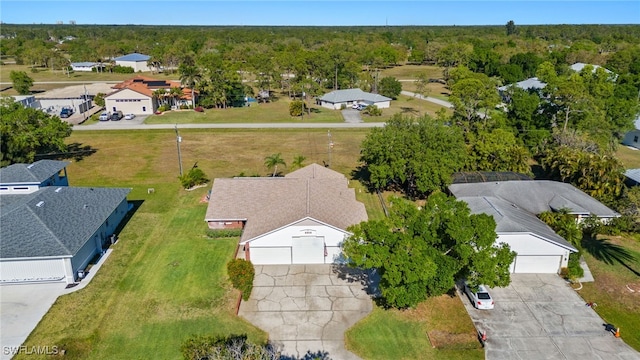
[[300, 218]]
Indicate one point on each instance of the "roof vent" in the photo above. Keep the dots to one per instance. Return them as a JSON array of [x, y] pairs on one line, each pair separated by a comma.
[[30, 166], [515, 206], [40, 204], [85, 206], [58, 189]]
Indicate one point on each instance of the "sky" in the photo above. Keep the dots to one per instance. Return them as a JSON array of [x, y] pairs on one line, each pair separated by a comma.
[[320, 12]]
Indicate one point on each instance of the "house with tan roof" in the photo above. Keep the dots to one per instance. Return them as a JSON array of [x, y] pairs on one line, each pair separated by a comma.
[[301, 218], [141, 95]]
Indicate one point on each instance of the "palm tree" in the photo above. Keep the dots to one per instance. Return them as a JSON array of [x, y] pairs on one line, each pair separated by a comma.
[[176, 93], [298, 161], [272, 161], [189, 77]]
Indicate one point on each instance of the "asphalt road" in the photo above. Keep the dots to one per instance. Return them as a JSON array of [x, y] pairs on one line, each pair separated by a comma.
[[123, 125]]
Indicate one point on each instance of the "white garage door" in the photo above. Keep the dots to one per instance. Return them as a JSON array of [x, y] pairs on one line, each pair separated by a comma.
[[32, 270], [537, 264], [270, 255], [308, 250]]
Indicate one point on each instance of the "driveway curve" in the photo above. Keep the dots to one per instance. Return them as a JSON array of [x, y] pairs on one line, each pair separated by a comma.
[[306, 309]]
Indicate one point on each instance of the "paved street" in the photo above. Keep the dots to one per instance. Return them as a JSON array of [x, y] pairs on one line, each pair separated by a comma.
[[125, 125], [306, 308], [539, 316]]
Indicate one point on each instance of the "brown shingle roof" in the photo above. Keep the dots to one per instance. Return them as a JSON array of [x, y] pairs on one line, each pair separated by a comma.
[[271, 203]]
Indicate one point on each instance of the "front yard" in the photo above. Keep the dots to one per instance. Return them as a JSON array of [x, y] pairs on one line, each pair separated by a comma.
[[616, 289]]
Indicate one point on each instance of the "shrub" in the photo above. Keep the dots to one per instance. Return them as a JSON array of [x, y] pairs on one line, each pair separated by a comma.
[[163, 108], [194, 177], [184, 107], [372, 110], [223, 233], [119, 69], [99, 99], [296, 108], [199, 109], [574, 270], [241, 273]]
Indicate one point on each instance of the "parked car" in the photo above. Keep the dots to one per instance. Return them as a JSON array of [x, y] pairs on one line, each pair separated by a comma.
[[361, 107], [129, 116], [117, 115], [66, 112], [105, 116], [481, 298], [355, 105]]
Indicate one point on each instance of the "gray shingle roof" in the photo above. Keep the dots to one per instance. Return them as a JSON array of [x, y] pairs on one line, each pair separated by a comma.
[[133, 57], [37, 172], [511, 219], [271, 203], [577, 67], [633, 174], [340, 96], [54, 221], [536, 196]]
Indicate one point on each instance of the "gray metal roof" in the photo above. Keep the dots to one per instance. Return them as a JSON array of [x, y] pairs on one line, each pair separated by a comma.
[[84, 64], [54, 221], [511, 219], [37, 172], [577, 67], [530, 83], [633, 174], [133, 57], [269, 203], [340, 96], [536, 196]]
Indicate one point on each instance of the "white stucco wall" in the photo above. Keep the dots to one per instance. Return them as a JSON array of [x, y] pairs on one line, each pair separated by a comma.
[[283, 237], [632, 138], [136, 65], [129, 101], [531, 245]]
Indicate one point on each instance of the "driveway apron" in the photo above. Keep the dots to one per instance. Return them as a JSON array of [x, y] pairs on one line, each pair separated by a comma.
[[539, 316], [306, 308]]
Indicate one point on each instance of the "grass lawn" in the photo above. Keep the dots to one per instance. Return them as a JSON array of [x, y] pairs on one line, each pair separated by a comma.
[[629, 158], [412, 71], [274, 112], [402, 334], [165, 280], [616, 304]]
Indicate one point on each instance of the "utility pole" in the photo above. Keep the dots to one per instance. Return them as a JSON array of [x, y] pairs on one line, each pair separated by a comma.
[[330, 145], [178, 141]]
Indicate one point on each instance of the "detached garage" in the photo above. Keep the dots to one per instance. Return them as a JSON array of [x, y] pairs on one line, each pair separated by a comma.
[[297, 219]]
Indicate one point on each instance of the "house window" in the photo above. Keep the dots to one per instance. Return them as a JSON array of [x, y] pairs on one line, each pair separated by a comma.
[[635, 139], [114, 108], [144, 108]]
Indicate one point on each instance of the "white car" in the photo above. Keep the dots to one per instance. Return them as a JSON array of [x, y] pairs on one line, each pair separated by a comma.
[[105, 116], [129, 116], [481, 299]]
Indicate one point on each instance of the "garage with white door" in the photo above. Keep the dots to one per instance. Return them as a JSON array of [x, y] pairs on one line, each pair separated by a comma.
[[307, 241], [535, 254]]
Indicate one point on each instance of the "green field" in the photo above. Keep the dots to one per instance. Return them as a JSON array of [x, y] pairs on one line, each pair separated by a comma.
[[629, 158]]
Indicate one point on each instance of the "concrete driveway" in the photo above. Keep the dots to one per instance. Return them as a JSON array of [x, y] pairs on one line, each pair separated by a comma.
[[351, 116], [539, 316], [23, 306], [306, 308]]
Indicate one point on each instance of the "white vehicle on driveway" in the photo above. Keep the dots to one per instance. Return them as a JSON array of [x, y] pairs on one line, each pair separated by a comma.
[[481, 298], [105, 116], [129, 116]]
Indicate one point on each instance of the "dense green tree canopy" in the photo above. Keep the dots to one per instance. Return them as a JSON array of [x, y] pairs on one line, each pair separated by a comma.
[[21, 82], [26, 132], [421, 252], [390, 87], [417, 156]]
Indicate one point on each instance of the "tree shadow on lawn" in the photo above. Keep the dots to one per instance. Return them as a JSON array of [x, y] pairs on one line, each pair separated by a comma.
[[409, 110], [75, 151], [609, 253]]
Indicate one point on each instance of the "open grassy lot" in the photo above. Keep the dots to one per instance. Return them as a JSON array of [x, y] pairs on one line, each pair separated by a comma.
[[396, 334], [165, 280], [45, 74], [629, 158], [274, 112], [616, 289], [278, 112], [412, 71]]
